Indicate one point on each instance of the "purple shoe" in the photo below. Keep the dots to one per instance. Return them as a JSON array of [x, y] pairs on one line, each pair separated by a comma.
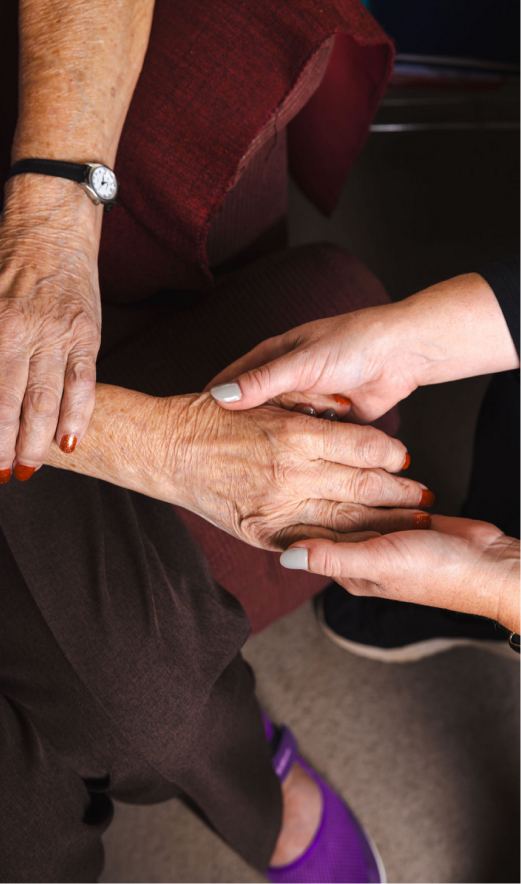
[[341, 852]]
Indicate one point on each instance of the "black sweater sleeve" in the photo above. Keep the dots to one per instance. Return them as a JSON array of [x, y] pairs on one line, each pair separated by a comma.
[[504, 279]]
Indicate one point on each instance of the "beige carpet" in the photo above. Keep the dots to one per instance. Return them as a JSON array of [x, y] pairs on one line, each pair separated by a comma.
[[426, 753]]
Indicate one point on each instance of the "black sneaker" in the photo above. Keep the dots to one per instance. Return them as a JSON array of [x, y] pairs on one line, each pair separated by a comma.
[[400, 632]]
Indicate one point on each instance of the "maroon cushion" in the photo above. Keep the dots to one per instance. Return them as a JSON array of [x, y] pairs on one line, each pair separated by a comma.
[[214, 74]]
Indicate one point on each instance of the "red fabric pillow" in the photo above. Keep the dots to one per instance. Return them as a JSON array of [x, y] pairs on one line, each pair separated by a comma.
[[214, 74]]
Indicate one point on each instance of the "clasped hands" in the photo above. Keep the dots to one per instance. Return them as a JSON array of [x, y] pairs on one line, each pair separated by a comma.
[[374, 358], [271, 476], [267, 476]]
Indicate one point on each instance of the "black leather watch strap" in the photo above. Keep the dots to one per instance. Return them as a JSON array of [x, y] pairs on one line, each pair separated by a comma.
[[58, 168]]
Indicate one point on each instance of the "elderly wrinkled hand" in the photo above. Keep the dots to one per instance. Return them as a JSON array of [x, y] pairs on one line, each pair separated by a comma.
[[460, 564], [50, 322], [269, 476]]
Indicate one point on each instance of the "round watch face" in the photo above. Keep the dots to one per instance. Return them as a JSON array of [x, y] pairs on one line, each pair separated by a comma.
[[103, 181]]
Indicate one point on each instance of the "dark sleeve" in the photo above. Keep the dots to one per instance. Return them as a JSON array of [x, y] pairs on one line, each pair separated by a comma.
[[503, 279]]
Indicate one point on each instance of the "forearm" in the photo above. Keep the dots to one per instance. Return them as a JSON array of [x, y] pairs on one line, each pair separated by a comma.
[[128, 442], [79, 64], [455, 329]]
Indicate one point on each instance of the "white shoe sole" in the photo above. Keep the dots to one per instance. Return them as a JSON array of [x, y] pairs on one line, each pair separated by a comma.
[[378, 859], [416, 651]]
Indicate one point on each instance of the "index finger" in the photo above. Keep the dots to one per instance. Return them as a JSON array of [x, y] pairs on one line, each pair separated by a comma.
[[357, 446]]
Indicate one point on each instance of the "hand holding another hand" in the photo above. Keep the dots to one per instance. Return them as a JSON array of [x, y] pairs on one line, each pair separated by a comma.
[[270, 476], [341, 355], [267, 476], [459, 564], [376, 357]]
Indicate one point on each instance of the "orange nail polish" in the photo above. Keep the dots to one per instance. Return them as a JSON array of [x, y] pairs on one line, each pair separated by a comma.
[[427, 498], [68, 443], [5, 475], [23, 473], [341, 400], [407, 461], [421, 520]]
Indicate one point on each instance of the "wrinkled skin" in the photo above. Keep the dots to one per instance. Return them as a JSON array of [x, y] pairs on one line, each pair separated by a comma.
[[263, 474], [267, 476], [50, 324]]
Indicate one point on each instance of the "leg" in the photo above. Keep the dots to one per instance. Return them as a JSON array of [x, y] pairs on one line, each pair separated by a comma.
[[51, 824], [93, 715]]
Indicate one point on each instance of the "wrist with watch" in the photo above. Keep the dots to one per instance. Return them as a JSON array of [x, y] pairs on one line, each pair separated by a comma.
[[98, 181]]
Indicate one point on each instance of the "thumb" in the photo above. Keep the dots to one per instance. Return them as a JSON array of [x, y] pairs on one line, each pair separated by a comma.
[[284, 375], [336, 560]]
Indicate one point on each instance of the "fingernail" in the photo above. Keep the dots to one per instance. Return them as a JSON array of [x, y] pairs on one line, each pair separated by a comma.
[[407, 461], [427, 498], [68, 443], [341, 400], [305, 409], [23, 473], [227, 392], [421, 520], [295, 559], [329, 415], [5, 475]]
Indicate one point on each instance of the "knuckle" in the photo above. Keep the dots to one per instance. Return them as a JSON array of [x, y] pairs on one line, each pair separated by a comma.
[[372, 446], [81, 375], [348, 517], [407, 490], [260, 378], [41, 403], [371, 485], [330, 566], [256, 531]]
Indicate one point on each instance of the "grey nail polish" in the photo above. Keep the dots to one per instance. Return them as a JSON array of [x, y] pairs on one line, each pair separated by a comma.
[[227, 392], [296, 559], [329, 415]]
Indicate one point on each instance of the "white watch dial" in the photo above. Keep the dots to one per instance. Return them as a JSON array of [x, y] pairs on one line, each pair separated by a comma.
[[103, 181]]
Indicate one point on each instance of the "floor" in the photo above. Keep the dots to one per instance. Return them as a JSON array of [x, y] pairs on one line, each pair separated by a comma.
[[427, 753]]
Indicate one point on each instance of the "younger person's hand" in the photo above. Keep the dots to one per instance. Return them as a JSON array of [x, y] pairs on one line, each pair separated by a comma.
[[459, 564], [378, 356]]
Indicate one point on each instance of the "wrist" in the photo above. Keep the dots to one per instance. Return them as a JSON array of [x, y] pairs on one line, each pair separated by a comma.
[[135, 441], [420, 344], [40, 204], [391, 337], [456, 329], [179, 448]]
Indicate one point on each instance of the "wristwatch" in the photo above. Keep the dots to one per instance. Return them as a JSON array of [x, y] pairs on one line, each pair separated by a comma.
[[98, 180]]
